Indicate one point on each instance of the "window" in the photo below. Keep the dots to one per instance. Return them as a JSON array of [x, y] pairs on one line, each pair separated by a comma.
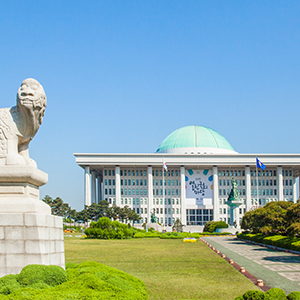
[[109, 172]]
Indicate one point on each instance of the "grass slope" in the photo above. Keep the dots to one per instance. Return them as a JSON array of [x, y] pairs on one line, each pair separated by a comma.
[[170, 269]]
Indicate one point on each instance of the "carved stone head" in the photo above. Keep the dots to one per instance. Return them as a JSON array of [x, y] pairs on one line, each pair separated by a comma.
[[31, 96]]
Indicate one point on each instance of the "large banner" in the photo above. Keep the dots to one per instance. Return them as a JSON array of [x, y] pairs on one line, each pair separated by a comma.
[[198, 187]]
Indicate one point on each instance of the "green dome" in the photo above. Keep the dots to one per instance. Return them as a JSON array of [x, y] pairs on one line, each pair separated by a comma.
[[195, 139]]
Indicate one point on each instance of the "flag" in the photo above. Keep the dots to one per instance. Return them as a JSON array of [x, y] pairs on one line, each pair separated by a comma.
[[259, 164], [165, 166]]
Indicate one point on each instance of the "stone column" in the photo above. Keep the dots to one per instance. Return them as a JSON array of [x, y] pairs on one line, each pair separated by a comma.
[[280, 183], [150, 194], [99, 193], [183, 204], [237, 217], [215, 193], [93, 187], [118, 186], [87, 186], [294, 190], [248, 188]]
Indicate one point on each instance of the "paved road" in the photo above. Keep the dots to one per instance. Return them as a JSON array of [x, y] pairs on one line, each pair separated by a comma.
[[275, 268]]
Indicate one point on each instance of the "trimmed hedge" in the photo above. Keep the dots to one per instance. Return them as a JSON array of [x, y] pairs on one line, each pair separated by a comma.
[[104, 228], [286, 242], [272, 294], [88, 280], [211, 226]]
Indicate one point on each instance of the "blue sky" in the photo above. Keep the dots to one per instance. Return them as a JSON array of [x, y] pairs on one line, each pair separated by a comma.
[[122, 75]]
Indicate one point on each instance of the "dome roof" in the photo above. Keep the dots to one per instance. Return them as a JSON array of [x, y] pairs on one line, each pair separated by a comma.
[[195, 140]]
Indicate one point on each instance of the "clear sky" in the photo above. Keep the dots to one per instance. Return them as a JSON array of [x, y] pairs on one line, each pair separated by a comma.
[[122, 75]]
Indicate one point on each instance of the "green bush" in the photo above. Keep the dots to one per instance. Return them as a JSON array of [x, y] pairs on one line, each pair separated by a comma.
[[8, 284], [275, 294], [254, 295], [294, 296], [34, 274], [88, 280], [286, 242], [104, 228], [211, 226]]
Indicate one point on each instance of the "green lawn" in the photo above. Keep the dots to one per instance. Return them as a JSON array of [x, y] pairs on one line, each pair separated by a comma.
[[170, 269]]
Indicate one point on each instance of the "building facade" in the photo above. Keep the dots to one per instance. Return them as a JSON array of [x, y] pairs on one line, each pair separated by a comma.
[[194, 188]]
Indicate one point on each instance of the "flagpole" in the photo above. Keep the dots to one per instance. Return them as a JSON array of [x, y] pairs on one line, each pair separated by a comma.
[[163, 185], [257, 185]]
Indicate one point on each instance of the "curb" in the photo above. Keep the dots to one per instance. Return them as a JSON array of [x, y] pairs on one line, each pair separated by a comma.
[[253, 279]]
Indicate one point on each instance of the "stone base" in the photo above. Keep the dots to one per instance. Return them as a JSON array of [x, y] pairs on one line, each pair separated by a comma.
[[30, 238]]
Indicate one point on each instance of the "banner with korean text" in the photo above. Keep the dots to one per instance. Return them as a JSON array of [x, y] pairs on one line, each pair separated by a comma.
[[199, 187]]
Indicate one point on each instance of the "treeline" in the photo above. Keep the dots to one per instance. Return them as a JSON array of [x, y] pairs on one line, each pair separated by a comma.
[[90, 213], [275, 218]]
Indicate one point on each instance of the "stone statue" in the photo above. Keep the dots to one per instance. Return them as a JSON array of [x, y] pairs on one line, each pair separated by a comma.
[[19, 124], [153, 217]]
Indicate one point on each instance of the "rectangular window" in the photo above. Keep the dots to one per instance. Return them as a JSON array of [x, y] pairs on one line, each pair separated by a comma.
[[109, 172]]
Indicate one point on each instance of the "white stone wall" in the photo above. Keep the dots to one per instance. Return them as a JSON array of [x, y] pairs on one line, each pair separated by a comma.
[[30, 238]]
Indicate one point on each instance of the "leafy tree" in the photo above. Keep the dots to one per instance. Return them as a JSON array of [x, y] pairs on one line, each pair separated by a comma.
[[270, 219], [177, 225], [58, 207], [133, 216], [113, 212]]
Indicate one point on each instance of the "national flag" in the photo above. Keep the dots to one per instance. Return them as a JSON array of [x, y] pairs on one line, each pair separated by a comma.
[[165, 166], [259, 164]]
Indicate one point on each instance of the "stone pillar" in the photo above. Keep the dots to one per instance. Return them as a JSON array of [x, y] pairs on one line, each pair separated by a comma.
[[99, 193], [93, 187], [294, 190], [237, 215], [216, 193], [280, 183], [29, 233], [118, 186], [248, 188], [183, 204], [87, 186], [150, 194]]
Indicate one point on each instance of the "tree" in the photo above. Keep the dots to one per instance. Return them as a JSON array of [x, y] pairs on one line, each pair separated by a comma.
[[113, 212], [133, 216], [177, 225], [270, 219], [58, 207]]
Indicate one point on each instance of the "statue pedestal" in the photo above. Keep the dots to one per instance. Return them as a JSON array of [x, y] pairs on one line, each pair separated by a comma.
[[29, 234]]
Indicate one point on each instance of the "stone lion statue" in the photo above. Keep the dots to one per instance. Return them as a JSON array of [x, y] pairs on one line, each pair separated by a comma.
[[19, 124]]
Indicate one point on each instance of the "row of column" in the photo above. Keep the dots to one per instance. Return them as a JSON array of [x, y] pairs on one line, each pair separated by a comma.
[[280, 195], [94, 189]]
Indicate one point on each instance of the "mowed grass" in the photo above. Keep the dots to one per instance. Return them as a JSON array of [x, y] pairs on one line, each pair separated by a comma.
[[170, 269]]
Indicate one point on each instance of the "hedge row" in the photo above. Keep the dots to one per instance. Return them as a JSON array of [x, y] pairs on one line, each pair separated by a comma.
[[173, 235], [286, 242], [272, 294], [88, 280]]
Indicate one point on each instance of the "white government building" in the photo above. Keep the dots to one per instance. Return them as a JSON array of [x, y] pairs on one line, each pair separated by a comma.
[[200, 165]]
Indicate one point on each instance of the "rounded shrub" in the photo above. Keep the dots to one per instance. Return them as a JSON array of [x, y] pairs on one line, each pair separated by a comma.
[[50, 275], [8, 284], [294, 296], [254, 295], [276, 294]]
